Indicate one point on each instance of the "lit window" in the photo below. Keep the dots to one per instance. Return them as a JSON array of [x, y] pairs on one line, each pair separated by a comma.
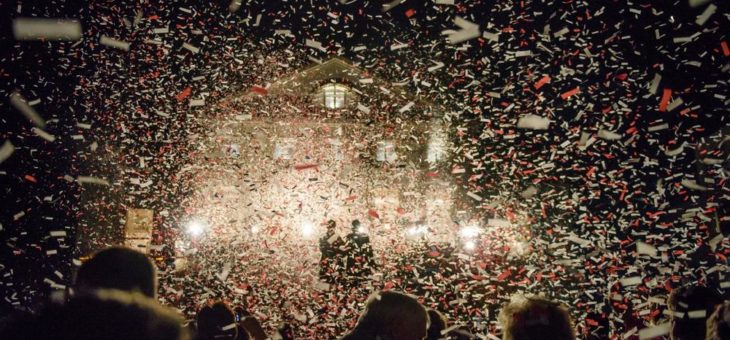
[[385, 152], [334, 96]]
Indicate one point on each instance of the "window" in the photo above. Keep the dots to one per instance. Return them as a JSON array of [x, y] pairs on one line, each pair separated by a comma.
[[386, 152], [334, 96]]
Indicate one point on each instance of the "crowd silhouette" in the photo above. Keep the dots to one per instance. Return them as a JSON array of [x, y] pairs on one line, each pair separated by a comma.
[[114, 297]]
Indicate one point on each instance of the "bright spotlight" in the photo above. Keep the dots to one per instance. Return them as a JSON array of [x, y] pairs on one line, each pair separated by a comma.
[[307, 229], [195, 228], [255, 229], [417, 230], [470, 245], [469, 231]]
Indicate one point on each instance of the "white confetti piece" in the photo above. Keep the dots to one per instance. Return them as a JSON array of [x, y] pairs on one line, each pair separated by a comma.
[[315, 44], [644, 248], [529, 192], [391, 5], [438, 66], [673, 152], [92, 180], [709, 11], [234, 5], [674, 104], [46, 29], [45, 135], [659, 127], [396, 47], [578, 240], [111, 42], [533, 122], [499, 223], [197, 102], [608, 135], [493, 37], [406, 107], [655, 331], [474, 196], [697, 314], [6, 151], [692, 184], [21, 105], [654, 85], [630, 281], [18, 216], [469, 30], [191, 48], [58, 233]]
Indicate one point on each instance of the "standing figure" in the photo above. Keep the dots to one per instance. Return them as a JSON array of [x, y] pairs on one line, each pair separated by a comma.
[[331, 263], [359, 259]]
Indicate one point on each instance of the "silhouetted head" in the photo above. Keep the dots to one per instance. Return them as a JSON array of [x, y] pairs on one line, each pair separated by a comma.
[[216, 322], [331, 225], [690, 307], [109, 314], [356, 226], [438, 323], [391, 316], [118, 268], [532, 318]]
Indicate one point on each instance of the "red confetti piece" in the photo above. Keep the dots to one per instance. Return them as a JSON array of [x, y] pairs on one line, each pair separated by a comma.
[[544, 80], [260, 90], [665, 100], [434, 253], [30, 178], [184, 94], [410, 12], [373, 213], [504, 275], [300, 167], [725, 48], [570, 93]]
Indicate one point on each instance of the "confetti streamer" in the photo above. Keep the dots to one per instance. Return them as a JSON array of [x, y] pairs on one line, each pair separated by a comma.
[[46, 29], [533, 122], [654, 332], [468, 31], [643, 248], [709, 11], [6, 151], [191, 48], [21, 105], [92, 180], [45, 135], [114, 43]]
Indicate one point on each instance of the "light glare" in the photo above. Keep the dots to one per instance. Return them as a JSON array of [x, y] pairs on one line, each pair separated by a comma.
[[307, 229], [469, 231], [195, 228]]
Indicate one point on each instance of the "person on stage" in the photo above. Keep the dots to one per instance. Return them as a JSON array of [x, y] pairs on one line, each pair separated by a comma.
[[359, 258], [331, 263]]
